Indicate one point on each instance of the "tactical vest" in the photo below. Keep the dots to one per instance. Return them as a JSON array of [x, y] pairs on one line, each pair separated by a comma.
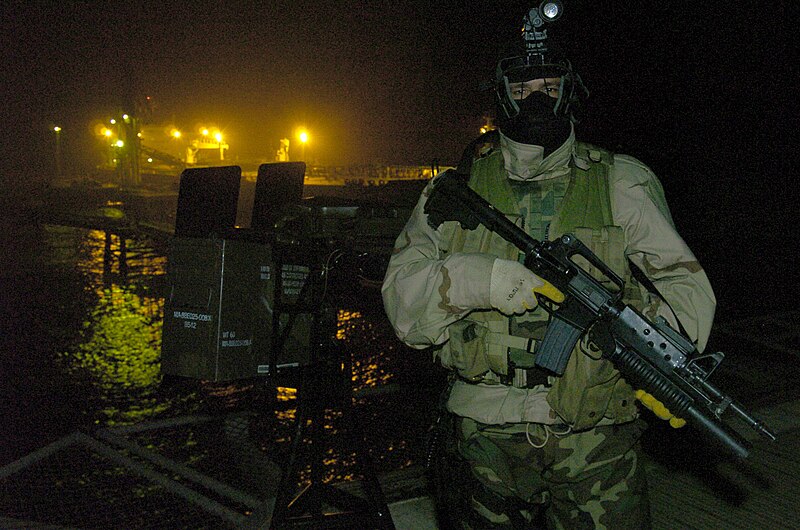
[[481, 347]]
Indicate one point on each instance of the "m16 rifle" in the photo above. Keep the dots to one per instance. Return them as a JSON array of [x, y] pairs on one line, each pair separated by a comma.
[[650, 355]]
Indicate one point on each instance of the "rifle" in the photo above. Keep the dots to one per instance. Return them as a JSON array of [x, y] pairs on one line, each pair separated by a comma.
[[651, 355]]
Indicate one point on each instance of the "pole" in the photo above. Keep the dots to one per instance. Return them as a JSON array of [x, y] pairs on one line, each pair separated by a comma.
[[57, 130]]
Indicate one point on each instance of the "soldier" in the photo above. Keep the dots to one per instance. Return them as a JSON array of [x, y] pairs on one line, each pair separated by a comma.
[[540, 447]]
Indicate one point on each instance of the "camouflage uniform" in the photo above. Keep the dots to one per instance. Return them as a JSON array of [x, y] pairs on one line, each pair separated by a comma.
[[588, 479], [566, 441]]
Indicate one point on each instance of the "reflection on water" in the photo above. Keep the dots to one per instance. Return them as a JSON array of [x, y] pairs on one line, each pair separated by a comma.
[[118, 354], [121, 341], [368, 371], [120, 351], [286, 394]]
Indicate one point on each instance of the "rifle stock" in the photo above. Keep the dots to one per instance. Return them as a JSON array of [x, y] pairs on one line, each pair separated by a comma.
[[650, 355]]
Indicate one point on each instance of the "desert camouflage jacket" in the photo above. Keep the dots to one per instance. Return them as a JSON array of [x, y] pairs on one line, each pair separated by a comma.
[[421, 276]]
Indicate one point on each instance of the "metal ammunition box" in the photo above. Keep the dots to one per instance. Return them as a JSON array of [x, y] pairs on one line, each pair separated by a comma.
[[222, 318]]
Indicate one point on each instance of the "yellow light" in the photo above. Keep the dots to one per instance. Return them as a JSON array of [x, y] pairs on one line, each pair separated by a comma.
[[113, 121], [176, 133], [218, 136], [57, 128], [107, 132], [125, 117], [303, 136], [119, 143], [149, 159], [204, 132]]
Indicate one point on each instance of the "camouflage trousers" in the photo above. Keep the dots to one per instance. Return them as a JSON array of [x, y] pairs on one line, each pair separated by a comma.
[[591, 479]]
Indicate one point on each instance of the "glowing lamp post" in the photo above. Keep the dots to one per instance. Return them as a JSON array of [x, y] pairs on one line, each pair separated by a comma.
[[218, 138], [303, 137], [57, 130]]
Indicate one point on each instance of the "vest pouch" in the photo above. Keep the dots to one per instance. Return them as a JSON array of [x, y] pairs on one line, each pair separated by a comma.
[[590, 390], [465, 352]]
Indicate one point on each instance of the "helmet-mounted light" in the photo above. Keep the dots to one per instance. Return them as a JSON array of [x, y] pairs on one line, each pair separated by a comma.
[[538, 59], [551, 11], [534, 32]]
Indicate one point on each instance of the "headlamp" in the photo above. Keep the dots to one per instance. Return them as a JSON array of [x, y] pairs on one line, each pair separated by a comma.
[[533, 32], [538, 58], [551, 11], [548, 11]]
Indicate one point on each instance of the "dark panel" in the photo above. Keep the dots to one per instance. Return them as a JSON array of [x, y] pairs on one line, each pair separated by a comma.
[[278, 185], [207, 201]]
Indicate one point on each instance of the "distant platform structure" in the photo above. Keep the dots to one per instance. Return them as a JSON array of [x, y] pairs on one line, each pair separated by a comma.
[[362, 175], [370, 175]]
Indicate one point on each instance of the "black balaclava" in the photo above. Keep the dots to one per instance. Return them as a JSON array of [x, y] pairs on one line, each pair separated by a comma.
[[536, 123]]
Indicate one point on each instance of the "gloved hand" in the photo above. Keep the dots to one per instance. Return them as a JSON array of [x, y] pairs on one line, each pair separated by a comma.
[[513, 288], [659, 409]]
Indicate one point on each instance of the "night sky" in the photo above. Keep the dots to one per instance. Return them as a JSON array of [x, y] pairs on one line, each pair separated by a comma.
[[703, 92], [394, 82], [372, 81]]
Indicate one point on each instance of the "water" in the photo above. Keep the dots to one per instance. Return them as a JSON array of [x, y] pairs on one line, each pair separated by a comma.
[[80, 349]]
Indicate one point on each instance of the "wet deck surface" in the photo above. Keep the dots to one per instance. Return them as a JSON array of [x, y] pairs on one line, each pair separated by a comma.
[[763, 492]]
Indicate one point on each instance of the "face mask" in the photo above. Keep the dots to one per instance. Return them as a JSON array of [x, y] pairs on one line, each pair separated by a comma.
[[536, 124], [522, 161]]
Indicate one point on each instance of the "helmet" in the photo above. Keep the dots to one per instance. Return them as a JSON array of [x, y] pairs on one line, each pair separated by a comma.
[[536, 57]]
